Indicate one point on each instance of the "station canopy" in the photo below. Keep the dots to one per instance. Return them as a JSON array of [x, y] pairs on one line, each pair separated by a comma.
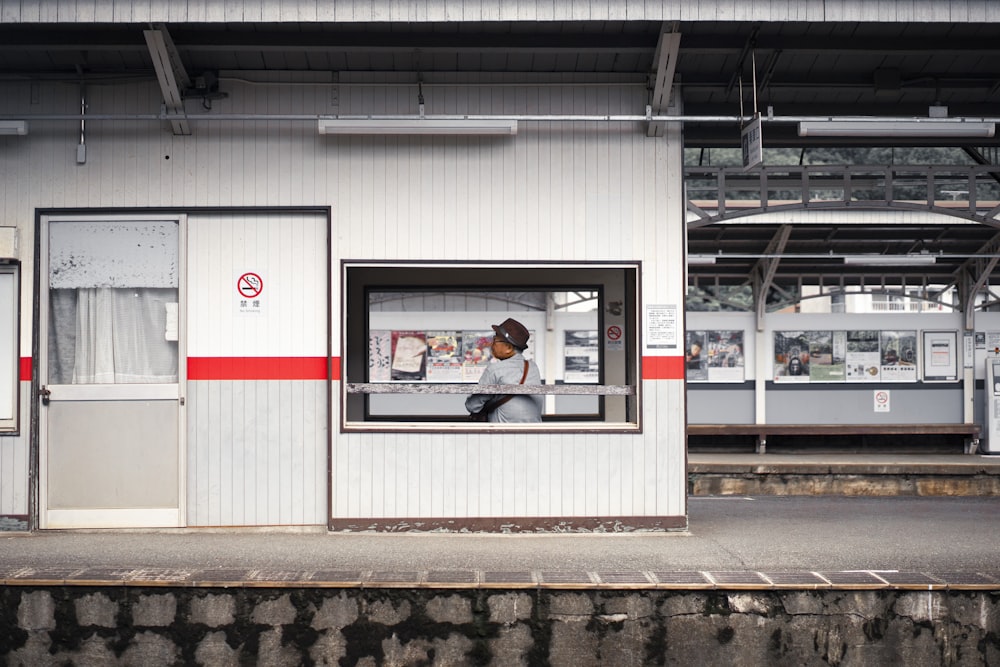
[[722, 71]]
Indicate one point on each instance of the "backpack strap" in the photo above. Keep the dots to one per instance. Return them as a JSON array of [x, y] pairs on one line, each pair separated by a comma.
[[493, 404]]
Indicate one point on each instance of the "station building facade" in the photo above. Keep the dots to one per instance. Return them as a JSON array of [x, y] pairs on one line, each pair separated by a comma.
[[245, 314]]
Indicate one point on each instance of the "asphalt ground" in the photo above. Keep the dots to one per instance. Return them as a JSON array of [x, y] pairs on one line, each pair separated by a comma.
[[951, 537]]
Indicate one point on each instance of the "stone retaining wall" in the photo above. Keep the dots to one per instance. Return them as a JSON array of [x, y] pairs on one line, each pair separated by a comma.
[[152, 625]]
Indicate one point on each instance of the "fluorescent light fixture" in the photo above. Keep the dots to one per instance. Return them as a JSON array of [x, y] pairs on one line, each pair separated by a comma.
[[890, 260], [700, 260], [11, 127], [897, 128], [457, 126]]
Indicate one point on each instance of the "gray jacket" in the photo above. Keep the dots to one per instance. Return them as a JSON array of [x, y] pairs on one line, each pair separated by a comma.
[[522, 407]]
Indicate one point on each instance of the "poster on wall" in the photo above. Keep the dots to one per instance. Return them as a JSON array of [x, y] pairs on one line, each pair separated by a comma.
[[476, 354], [826, 357], [862, 356], [379, 355], [898, 361], [409, 356], [714, 356], [940, 356], [444, 356], [695, 356], [581, 362], [791, 356], [726, 362]]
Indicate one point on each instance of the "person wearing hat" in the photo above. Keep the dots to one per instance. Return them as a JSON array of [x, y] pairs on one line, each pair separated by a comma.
[[509, 367]]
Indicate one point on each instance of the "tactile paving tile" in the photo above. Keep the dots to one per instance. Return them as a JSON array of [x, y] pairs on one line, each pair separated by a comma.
[[565, 578], [967, 579], [795, 579], [682, 578], [623, 578], [508, 578], [99, 574], [336, 576], [852, 578], [161, 576], [226, 576], [395, 577], [452, 577], [47, 573], [738, 578], [278, 575], [909, 579]]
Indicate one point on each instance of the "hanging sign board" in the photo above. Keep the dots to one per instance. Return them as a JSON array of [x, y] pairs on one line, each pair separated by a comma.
[[753, 143]]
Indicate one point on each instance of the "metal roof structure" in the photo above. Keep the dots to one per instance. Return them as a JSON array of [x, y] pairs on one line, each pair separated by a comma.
[[877, 58]]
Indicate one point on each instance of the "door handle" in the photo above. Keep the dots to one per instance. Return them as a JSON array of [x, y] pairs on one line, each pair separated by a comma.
[[44, 393]]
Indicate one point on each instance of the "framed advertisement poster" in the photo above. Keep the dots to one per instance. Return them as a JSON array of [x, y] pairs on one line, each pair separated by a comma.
[[940, 353], [898, 362], [791, 356]]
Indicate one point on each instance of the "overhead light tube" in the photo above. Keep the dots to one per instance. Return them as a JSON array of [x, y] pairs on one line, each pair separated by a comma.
[[896, 128], [700, 260], [457, 126], [13, 127], [890, 260]]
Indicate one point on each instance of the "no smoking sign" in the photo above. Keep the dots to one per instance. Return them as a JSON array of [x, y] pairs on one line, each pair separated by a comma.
[[248, 288], [613, 338]]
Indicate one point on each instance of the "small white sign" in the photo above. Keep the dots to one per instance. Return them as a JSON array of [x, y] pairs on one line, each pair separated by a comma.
[[661, 326], [881, 400], [248, 290]]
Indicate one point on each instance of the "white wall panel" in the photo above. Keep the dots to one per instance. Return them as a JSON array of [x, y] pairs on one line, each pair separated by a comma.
[[257, 453], [289, 252], [14, 461]]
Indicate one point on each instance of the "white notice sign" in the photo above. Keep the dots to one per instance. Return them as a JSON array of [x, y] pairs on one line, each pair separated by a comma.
[[881, 400], [661, 326]]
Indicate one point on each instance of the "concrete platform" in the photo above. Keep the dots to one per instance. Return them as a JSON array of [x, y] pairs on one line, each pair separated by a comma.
[[768, 580], [751, 542]]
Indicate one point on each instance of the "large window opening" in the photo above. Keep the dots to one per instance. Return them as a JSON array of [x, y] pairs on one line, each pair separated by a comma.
[[417, 340]]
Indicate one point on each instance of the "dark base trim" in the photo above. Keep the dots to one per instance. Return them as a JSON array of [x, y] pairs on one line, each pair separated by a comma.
[[604, 524], [13, 522]]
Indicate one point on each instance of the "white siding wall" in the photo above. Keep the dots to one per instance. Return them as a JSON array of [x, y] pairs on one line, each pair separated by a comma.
[[257, 449], [14, 462], [587, 191]]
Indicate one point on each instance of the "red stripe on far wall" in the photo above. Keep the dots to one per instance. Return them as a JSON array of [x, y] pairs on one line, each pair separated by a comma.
[[663, 368], [261, 368], [25, 371]]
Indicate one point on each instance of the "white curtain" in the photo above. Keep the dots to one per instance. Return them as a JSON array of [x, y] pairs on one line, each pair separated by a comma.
[[107, 335]]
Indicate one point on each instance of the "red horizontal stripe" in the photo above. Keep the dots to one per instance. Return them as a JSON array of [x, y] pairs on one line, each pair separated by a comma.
[[25, 373], [663, 368], [261, 368]]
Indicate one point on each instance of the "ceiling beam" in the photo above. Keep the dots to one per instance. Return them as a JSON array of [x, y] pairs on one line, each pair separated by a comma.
[[663, 79], [170, 74]]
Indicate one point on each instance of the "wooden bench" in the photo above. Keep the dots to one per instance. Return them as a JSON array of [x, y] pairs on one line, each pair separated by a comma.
[[761, 431]]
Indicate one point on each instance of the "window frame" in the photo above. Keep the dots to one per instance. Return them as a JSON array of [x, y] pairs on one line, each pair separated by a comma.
[[10, 370], [361, 277]]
